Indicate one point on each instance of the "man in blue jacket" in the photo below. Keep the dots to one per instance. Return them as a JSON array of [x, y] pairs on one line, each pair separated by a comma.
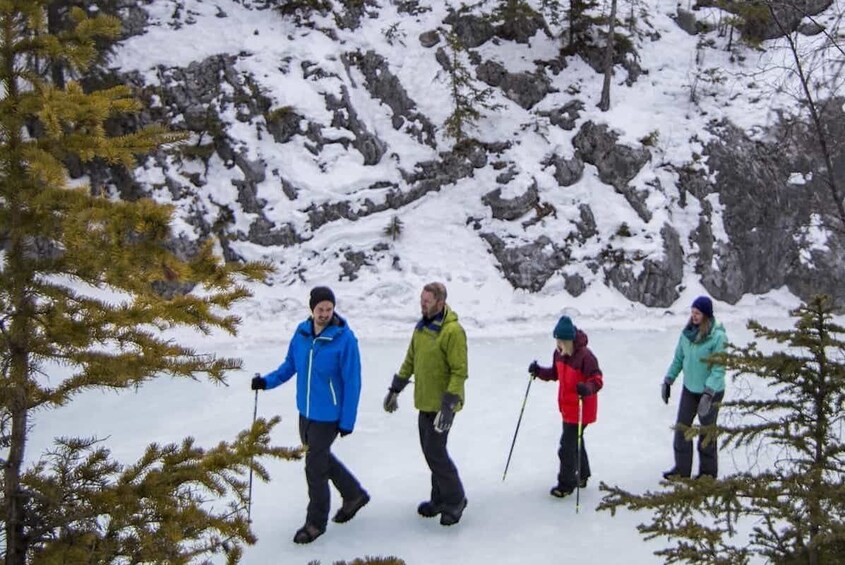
[[323, 354]]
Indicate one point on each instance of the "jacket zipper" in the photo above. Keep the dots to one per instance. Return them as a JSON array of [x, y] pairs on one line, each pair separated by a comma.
[[308, 388]]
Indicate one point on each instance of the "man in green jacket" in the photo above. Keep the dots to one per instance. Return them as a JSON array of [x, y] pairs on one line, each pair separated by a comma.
[[437, 356], [704, 388]]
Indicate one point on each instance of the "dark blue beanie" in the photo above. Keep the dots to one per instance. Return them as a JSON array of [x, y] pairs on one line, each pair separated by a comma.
[[564, 329], [704, 305]]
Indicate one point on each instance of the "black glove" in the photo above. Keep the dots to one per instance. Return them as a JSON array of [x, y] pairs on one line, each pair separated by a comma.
[[444, 418], [665, 391], [259, 382], [584, 389], [344, 433], [705, 404], [391, 400], [534, 368]]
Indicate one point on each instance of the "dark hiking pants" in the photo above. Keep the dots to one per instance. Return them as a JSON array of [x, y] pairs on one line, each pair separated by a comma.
[[707, 447], [321, 467], [568, 454], [446, 487]]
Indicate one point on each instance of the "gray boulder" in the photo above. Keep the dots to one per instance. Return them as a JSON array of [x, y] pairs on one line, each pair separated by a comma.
[[526, 89], [617, 164], [527, 266], [511, 208]]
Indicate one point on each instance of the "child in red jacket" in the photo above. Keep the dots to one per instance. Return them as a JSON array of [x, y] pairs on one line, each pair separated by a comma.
[[577, 371]]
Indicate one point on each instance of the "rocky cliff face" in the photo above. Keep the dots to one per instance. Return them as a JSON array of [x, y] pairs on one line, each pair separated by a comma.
[[762, 213]]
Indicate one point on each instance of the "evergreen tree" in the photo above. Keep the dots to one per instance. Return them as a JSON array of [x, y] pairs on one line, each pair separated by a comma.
[[792, 494], [394, 229], [604, 101], [580, 23], [60, 21], [77, 289], [468, 99]]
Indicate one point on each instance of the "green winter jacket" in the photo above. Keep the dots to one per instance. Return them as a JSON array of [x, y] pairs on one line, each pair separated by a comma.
[[437, 357], [691, 357]]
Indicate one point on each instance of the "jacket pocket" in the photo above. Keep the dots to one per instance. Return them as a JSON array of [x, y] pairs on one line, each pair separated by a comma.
[[331, 390]]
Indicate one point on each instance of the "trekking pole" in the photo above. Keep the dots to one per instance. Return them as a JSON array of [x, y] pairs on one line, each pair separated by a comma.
[[225, 543], [249, 500], [578, 463], [518, 422]]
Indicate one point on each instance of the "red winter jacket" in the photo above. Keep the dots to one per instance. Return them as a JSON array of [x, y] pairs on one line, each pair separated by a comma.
[[569, 370]]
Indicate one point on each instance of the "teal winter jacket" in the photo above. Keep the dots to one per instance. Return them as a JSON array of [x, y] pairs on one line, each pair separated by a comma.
[[691, 357]]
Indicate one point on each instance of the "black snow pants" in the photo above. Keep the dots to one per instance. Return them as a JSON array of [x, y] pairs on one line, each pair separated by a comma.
[[321, 467], [707, 447], [446, 487]]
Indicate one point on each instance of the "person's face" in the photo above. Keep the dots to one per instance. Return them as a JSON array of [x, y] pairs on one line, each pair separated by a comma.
[[430, 305], [565, 346], [697, 316], [323, 312]]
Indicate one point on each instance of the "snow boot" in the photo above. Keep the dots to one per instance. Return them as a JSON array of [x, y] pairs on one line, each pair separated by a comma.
[[429, 509], [350, 508], [673, 474], [451, 515], [308, 533], [560, 491]]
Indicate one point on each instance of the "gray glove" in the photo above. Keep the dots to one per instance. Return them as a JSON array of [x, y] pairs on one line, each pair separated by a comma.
[[391, 401], [444, 418], [665, 391], [705, 404]]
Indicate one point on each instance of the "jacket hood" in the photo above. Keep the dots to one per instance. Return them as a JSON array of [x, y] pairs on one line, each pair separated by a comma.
[[581, 339], [691, 332], [436, 324], [336, 326]]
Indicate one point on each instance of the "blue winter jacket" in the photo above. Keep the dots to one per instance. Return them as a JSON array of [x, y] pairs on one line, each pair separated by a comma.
[[328, 372]]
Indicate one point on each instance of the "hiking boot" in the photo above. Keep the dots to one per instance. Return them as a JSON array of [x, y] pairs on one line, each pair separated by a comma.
[[703, 475], [308, 533], [429, 509], [559, 491], [583, 483], [451, 515], [673, 474], [351, 507]]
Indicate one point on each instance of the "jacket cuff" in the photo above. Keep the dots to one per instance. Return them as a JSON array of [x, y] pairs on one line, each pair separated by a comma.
[[398, 383], [450, 400]]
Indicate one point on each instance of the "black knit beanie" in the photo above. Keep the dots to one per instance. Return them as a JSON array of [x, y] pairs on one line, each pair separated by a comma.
[[319, 294]]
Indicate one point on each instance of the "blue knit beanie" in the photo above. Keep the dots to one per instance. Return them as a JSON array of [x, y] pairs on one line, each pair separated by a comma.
[[704, 305], [564, 329]]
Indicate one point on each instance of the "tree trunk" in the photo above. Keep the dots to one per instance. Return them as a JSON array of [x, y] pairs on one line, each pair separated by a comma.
[[54, 25], [13, 511], [604, 103]]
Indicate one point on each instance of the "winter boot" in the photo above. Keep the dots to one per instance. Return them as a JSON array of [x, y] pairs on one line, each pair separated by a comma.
[[559, 491], [673, 474], [351, 507], [452, 514], [429, 509], [308, 533]]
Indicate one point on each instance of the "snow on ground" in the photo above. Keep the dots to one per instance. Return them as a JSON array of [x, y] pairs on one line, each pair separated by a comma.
[[515, 521]]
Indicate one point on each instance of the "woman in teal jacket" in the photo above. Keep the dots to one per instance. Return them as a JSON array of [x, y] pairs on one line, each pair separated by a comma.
[[704, 388]]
